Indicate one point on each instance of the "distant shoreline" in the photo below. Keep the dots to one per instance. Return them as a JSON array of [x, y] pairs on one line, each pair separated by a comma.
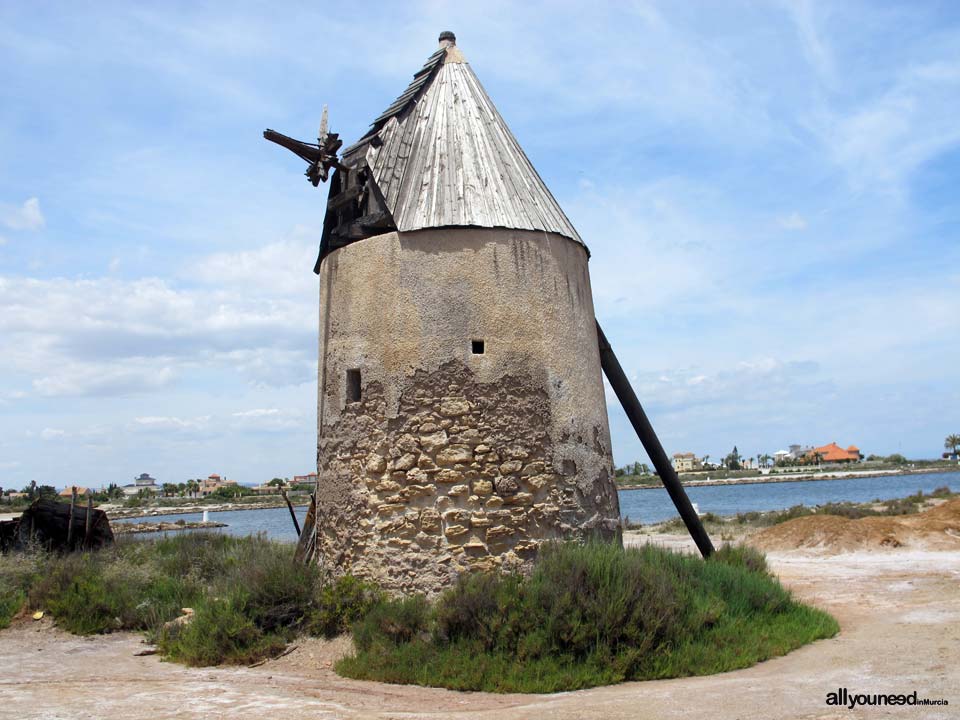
[[121, 513], [799, 477]]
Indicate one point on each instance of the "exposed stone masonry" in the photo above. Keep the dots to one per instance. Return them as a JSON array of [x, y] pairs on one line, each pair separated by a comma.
[[467, 475]]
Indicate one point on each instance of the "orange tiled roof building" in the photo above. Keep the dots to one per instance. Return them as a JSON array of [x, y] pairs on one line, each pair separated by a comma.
[[835, 453]]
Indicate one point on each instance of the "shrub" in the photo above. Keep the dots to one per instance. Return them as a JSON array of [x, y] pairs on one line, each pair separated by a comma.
[[587, 615], [741, 556], [341, 603], [249, 595], [393, 622], [219, 632]]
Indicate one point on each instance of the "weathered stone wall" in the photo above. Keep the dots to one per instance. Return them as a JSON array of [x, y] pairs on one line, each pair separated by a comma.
[[452, 460]]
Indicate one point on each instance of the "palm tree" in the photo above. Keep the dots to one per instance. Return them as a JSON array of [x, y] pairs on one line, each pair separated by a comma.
[[952, 443]]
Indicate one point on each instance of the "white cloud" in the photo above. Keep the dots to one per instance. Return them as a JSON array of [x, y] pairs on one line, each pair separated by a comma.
[[269, 420], [112, 337], [52, 433], [257, 413], [882, 141], [99, 379], [815, 49], [25, 217], [280, 269], [793, 221], [163, 424]]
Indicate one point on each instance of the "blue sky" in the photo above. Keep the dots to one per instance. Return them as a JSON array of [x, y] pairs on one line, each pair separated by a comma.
[[769, 191]]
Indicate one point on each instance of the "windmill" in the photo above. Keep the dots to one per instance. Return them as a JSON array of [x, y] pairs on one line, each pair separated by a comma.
[[461, 410]]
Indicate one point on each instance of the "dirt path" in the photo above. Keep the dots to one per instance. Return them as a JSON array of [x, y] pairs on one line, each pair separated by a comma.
[[899, 611]]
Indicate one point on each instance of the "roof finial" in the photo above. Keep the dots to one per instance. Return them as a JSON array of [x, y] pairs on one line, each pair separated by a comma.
[[447, 39]]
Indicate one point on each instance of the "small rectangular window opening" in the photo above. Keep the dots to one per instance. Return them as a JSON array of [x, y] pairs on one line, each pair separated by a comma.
[[477, 347], [353, 385]]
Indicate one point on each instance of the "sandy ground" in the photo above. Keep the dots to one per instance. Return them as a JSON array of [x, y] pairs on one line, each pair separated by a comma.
[[899, 610]]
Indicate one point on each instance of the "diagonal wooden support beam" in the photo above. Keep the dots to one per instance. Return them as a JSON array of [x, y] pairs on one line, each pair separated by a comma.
[[651, 443]]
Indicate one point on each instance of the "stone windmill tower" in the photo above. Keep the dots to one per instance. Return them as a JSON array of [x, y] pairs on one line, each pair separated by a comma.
[[461, 412]]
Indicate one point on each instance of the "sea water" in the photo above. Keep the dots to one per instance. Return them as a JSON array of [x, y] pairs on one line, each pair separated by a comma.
[[648, 505]]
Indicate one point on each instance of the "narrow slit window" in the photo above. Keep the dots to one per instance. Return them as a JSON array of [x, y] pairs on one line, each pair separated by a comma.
[[353, 385], [477, 347]]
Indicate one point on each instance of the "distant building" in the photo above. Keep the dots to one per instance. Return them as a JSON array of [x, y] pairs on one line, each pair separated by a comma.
[[798, 451], [309, 479], [266, 489], [833, 453], [780, 455], [686, 462], [213, 483], [144, 480], [68, 491], [141, 483]]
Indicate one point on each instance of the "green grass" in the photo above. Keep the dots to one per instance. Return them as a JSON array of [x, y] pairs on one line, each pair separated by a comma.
[[587, 615], [249, 596]]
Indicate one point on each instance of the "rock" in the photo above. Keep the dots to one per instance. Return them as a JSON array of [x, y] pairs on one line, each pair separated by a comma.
[[375, 464], [405, 462], [456, 517], [454, 406], [482, 487], [516, 452], [498, 534], [539, 481], [455, 532], [429, 520], [494, 502], [459, 490], [507, 486], [521, 498], [480, 521], [510, 467], [417, 476], [408, 444], [469, 437], [534, 468], [450, 476], [174, 626], [455, 454], [480, 449], [387, 486], [434, 441], [526, 547], [428, 427], [426, 463], [412, 491]]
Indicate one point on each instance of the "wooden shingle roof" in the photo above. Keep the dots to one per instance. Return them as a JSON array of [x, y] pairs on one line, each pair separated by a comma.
[[442, 155]]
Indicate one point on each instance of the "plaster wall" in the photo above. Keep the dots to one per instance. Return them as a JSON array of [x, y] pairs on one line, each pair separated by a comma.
[[442, 437]]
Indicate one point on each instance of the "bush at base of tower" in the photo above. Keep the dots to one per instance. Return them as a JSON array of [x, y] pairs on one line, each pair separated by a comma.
[[588, 615]]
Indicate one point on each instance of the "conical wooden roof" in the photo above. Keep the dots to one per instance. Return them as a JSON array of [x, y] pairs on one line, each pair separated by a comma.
[[441, 155]]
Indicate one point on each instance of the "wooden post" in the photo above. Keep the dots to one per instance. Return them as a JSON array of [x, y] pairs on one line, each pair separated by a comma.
[[73, 505], [293, 515], [651, 443], [89, 520]]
